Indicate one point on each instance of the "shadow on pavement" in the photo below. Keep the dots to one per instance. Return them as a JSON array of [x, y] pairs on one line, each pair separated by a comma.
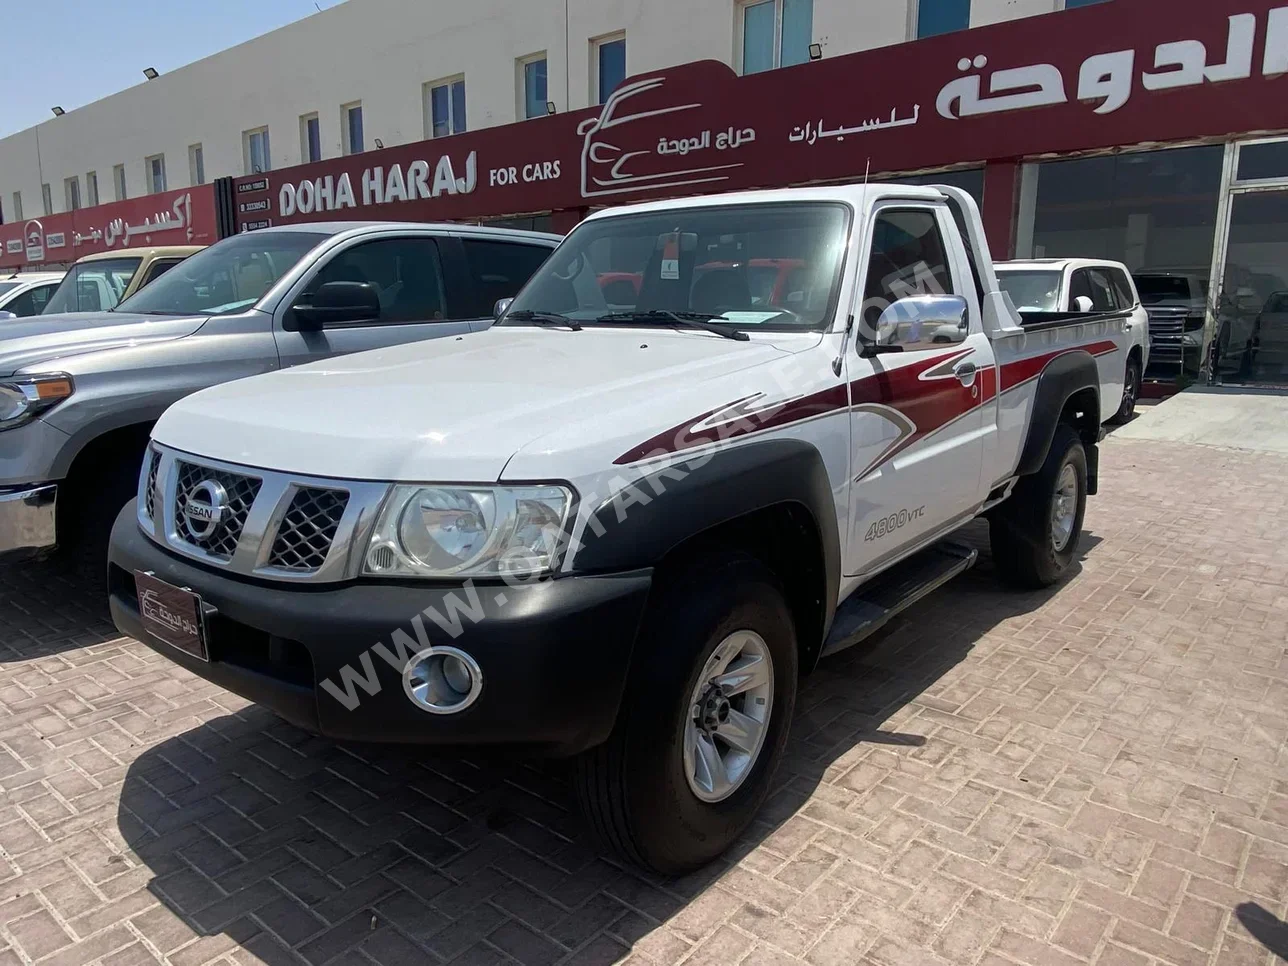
[[1265, 927], [45, 611], [294, 846]]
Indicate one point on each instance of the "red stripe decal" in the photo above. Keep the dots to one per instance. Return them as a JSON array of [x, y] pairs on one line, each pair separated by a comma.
[[1022, 370], [926, 393]]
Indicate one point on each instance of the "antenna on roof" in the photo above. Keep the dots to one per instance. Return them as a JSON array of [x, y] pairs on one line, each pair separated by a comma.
[[867, 169]]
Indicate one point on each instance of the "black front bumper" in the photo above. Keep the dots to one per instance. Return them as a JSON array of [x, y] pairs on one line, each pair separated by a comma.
[[554, 656]]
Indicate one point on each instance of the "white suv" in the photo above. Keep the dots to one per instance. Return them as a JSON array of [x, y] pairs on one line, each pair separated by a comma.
[[26, 293], [1083, 285]]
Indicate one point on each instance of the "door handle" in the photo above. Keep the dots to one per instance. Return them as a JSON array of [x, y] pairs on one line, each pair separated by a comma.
[[966, 371]]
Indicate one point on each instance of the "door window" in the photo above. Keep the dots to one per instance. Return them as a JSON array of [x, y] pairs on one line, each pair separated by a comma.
[[406, 273], [159, 268], [1122, 288], [908, 258], [498, 270], [1103, 298], [31, 302]]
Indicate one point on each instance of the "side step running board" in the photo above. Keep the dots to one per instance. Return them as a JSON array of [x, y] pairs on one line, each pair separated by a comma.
[[873, 604]]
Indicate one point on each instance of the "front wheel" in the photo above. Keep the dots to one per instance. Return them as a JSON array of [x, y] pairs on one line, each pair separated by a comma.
[[1034, 534], [704, 720]]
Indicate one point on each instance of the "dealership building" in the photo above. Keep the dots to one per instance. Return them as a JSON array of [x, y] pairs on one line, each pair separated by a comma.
[[1153, 132]]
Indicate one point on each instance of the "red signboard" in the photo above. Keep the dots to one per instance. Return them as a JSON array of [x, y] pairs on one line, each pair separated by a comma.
[[1111, 74], [185, 216]]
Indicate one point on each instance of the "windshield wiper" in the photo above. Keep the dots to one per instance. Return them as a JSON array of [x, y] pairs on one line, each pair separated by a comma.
[[692, 320], [544, 318]]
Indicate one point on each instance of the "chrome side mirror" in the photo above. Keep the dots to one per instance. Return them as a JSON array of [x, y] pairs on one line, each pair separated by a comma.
[[4, 316], [923, 322], [499, 309]]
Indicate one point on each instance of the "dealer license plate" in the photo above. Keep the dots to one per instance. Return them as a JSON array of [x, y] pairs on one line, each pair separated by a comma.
[[172, 614]]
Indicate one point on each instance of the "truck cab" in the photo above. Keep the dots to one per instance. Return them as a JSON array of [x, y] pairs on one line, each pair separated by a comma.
[[100, 282], [623, 531]]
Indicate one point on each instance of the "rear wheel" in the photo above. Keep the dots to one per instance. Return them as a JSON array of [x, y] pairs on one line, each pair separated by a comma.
[[704, 720], [1131, 392], [1035, 533]]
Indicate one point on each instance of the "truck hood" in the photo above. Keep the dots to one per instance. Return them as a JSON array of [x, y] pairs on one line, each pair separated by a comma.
[[460, 409], [44, 338]]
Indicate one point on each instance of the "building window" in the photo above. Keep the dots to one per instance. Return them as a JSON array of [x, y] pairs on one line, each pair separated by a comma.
[[118, 182], [532, 74], [1070, 4], [942, 16], [255, 151], [47, 197], [155, 168], [91, 189], [310, 138], [445, 107], [351, 128], [609, 60], [196, 164], [775, 33], [71, 193], [17, 206]]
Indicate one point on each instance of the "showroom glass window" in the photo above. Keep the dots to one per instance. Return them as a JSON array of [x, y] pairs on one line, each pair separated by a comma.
[[1153, 210]]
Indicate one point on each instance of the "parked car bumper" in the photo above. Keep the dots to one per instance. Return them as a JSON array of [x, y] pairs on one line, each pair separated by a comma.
[[553, 656], [27, 517]]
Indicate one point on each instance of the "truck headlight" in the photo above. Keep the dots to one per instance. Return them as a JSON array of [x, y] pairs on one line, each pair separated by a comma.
[[23, 398], [468, 531]]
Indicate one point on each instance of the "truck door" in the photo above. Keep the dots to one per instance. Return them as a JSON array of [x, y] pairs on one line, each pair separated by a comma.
[[408, 274], [921, 416]]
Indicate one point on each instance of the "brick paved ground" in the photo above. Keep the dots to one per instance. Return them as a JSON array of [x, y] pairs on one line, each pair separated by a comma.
[[1090, 776]]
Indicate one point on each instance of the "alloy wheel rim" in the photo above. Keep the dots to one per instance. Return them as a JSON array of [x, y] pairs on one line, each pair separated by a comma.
[[1064, 507], [727, 715], [1130, 390]]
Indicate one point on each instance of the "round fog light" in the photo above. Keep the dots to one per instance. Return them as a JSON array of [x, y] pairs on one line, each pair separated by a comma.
[[442, 680]]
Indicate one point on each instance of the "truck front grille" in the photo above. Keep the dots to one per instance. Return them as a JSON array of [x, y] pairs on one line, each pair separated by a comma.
[[304, 539], [150, 495], [221, 543], [266, 524]]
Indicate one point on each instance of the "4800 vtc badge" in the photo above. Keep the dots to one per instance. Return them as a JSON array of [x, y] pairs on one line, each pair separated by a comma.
[[888, 525]]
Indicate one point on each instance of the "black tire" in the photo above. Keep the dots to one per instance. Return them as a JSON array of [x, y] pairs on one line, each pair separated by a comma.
[[86, 514], [1131, 392], [1025, 552], [633, 789]]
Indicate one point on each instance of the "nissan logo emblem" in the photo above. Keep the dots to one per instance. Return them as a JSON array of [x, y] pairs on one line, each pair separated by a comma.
[[204, 509]]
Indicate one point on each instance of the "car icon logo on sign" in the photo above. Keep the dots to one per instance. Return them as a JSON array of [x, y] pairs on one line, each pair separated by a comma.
[[204, 509]]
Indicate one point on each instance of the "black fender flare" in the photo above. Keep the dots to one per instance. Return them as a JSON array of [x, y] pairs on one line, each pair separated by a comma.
[[657, 512], [1064, 377]]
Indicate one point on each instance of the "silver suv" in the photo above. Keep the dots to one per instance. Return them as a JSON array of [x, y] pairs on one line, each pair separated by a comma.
[[79, 393]]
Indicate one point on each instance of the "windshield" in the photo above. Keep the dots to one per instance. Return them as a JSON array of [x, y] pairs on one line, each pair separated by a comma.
[[8, 286], [1032, 291], [754, 266], [93, 286], [1157, 288], [225, 278]]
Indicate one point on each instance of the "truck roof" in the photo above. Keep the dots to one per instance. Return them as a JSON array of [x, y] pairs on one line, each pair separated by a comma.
[[153, 250], [356, 227], [852, 194], [1047, 264]]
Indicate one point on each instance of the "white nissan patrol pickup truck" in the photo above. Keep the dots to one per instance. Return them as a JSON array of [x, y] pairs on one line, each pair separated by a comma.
[[624, 521]]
